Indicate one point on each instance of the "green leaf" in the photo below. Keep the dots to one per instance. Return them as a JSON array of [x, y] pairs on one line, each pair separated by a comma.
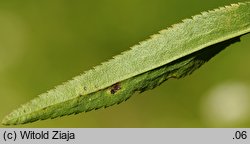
[[173, 53]]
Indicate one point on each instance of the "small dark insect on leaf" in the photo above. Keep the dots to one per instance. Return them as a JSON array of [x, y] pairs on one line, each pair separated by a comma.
[[115, 88]]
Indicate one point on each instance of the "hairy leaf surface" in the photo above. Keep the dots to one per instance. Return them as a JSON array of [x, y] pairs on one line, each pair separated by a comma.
[[173, 53]]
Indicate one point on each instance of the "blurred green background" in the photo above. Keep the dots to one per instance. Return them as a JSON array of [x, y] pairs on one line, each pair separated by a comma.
[[44, 43]]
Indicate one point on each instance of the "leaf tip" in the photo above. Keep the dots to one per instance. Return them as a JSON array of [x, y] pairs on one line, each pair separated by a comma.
[[13, 118], [6, 121]]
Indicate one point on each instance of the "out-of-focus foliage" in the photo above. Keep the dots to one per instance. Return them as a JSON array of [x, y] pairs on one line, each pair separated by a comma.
[[45, 43]]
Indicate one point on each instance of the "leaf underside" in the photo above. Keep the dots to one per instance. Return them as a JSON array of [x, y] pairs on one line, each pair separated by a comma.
[[173, 53]]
